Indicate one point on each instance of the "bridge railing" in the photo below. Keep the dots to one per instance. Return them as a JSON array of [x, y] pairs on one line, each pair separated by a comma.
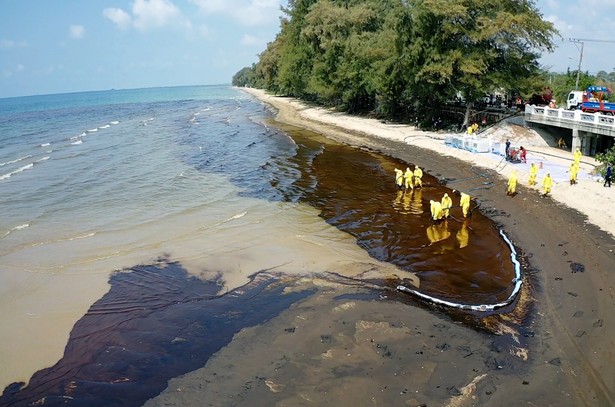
[[570, 115]]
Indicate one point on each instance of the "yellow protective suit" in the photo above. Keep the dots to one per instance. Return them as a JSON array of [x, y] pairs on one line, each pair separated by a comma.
[[399, 178], [577, 155], [447, 204], [436, 210], [512, 183], [464, 202], [408, 179], [533, 173], [573, 170], [547, 184], [418, 175]]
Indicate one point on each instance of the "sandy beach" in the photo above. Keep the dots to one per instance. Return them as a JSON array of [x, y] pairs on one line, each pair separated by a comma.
[[338, 348]]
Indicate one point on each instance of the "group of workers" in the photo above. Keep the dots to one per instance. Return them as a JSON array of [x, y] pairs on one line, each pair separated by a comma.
[[409, 179], [547, 182], [441, 210]]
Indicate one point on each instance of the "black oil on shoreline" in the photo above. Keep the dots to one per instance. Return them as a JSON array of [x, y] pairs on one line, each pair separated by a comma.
[[459, 260], [155, 323]]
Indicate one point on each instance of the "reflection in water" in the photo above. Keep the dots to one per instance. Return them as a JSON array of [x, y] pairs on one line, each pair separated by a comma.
[[416, 202], [463, 236], [438, 232]]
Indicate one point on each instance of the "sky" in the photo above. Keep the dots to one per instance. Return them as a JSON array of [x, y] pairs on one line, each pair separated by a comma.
[[65, 46]]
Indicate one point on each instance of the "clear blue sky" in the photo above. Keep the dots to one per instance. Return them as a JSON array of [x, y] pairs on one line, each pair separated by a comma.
[[76, 45]]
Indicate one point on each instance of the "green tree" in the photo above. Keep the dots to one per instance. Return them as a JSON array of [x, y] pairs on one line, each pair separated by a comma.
[[469, 47], [243, 77]]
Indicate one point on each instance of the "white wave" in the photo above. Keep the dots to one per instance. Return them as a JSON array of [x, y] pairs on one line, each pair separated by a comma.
[[106, 126], [81, 237], [25, 225], [114, 122], [15, 161], [68, 239], [42, 159], [238, 216], [92, 130], [77, 142], [17, 171], [45, 145], [82, 134]]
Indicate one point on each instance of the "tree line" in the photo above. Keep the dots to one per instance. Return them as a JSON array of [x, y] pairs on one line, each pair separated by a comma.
[[403, 59]]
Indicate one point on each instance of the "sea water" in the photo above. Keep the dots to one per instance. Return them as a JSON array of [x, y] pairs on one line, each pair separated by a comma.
[[99, 182], [94, 182]]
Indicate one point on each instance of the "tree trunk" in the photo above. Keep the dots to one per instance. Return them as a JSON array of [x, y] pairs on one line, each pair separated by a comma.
[[466, 117]]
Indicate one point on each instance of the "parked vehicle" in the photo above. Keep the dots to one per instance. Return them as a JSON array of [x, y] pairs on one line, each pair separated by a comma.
[[591, 100], [575, 98]]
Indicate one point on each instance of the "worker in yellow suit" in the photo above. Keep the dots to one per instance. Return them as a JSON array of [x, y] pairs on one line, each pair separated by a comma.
[[533, 173], [408, 182], [577, 155], [512, 184], [574, 171], [436, 210], [399, 178], [547, 184], [447, 204], [418, 175], [464, 202]]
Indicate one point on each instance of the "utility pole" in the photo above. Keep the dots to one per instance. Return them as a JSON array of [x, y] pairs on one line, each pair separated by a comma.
[[577, 41], [582, 41]]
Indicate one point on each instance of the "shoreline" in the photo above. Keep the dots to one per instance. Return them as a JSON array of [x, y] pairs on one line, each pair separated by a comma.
[[567, 239], [348, 345], [319, 119]]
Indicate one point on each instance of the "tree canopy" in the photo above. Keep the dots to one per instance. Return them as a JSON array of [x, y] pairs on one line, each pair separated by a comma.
[[396, 58]]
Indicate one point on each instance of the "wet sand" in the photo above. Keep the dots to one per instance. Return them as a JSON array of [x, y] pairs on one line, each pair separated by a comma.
[[338, 348]]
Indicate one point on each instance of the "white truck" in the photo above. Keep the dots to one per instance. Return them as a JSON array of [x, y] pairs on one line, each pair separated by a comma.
[[574, 100]]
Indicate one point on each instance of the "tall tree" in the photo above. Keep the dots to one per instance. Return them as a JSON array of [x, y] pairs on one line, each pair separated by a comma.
[[470, 47]]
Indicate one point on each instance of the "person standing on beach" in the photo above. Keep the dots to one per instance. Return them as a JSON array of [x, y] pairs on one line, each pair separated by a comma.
[[408, 179], [436, 210], [399, 178], [418, 175], [573, 170], [464, 202], [523, 154], [512, 184], [577, 156], [547, 184], [447, 204], [533, 173], [608, 175], [507, 149]]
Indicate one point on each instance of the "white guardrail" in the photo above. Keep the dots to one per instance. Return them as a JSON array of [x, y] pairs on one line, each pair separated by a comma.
[[578, 116]]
